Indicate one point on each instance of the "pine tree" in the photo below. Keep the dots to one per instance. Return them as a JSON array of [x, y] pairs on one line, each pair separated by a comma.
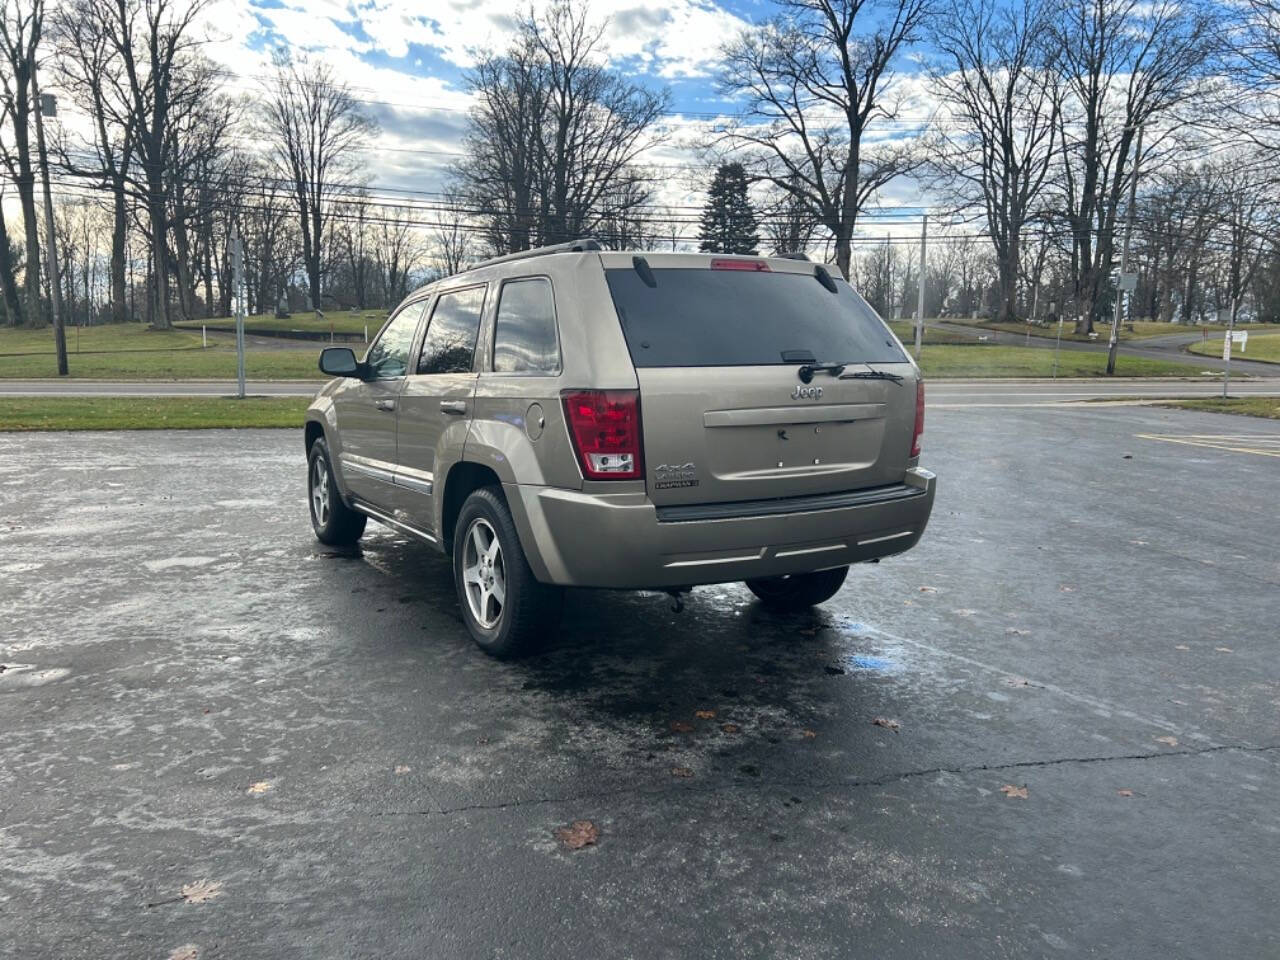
[[728, 222]]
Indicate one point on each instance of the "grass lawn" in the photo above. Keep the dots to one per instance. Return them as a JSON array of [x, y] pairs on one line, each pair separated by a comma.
[[1263, 347], [905, 330], [149, 413], [1001, 361], [134, 352], [1268, 407], [344, 321], [1142, 330]]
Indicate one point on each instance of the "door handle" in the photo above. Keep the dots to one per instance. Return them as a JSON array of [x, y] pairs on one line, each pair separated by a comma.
[[453, 406], [385, 405]]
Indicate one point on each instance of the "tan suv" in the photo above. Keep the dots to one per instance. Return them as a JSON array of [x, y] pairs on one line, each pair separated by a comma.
[[573, 417]]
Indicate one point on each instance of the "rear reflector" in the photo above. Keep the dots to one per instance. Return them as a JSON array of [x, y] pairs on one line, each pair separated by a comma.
[[605, 428], [755, 266], [915, 440]]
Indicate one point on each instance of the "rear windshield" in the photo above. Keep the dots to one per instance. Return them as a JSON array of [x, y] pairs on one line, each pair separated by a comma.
[[729, 318]]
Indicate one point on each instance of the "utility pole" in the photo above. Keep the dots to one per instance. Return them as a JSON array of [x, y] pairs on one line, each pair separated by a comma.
[[924, 242], [49, 103], [1124, 285], [237, 296]]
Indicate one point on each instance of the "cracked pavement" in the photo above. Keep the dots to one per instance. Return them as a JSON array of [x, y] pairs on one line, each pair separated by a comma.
[[195, 690]]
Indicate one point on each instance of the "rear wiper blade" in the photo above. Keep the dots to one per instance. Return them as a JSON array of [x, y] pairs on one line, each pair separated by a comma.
[[809, 369], [872, 374]]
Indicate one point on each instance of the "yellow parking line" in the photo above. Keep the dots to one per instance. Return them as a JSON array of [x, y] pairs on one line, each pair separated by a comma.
[[1210, 442]]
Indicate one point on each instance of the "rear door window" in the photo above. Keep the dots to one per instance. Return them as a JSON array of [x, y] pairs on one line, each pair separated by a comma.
[[717, 318], [524, 336], [450, 344]]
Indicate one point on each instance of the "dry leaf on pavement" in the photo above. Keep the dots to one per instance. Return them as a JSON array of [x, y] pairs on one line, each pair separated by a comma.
[[704, 714], [730, 728], [808, 734], [187, 951], [679, 726], [887, 723], [201, 891], [1124, 793], [401, 768], [579, 834], [1168, 741], [260, 786], [681, 772], [1009, 790]]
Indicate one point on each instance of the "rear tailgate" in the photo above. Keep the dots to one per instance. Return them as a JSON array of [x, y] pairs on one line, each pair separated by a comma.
[[726, 415]]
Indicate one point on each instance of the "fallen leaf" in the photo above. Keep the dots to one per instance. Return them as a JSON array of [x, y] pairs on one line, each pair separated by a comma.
[[679, 726], [201, 891], [1124, 793], [730, 728], [579, 834], [704, 714], [1181, 646], [1009, 790], [1065, 589], [808, 734], [187, 951], [260, 786], [401, 768], [1168, 741], [1224, 649], [887, 723], [681, 772], [928, 589]]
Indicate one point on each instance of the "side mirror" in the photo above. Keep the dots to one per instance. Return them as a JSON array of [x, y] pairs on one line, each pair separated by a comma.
[[339, 362]]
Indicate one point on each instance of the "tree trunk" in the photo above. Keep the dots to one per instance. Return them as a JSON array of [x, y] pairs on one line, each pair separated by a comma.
[[160, 258], [119, 308]]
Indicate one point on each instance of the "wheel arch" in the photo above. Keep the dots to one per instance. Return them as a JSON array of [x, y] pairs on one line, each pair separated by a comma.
[[463, 479]]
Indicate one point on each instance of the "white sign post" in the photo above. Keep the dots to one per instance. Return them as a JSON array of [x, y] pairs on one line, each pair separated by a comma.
[[237, 291]]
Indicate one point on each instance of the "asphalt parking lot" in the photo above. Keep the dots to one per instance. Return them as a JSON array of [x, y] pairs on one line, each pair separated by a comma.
[[198, 696]]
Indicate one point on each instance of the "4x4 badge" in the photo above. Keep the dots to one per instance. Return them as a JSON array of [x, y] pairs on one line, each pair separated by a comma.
[[806, 393]]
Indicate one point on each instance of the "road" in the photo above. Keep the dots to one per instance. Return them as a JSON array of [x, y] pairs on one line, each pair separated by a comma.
[[1036, 391], [194, 690]]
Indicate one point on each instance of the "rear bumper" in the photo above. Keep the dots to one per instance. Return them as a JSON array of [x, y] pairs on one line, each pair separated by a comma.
[[581, 539]]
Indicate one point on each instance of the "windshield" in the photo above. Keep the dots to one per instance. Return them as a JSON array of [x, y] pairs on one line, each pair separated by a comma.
[[718, 318]]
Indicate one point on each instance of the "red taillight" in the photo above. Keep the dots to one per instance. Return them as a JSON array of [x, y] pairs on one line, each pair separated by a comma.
[[915, 441], [605, 428], [755, 266]]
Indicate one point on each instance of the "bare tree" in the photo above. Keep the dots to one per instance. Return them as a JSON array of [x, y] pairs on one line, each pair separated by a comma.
[[397, 251], [1123, 64], [1248, 220], [451, 239], [814, 80], [156, 44], [89, 68], [788, 221], [317, 131], [998, 136], [554, 134], [21, 25]]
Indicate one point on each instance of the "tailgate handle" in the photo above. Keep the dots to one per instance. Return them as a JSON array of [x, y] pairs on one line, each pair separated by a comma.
[[453, 406]]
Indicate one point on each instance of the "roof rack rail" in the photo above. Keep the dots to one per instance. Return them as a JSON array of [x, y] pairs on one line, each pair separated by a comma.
[[793, 255], [573, 246]]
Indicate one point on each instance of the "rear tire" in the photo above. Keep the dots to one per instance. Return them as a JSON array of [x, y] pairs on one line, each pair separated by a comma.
[[333, 521], [799, 590], [508, 612]]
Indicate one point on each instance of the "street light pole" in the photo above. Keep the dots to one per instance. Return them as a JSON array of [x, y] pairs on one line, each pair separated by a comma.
[[1124, 258], [51, 251]]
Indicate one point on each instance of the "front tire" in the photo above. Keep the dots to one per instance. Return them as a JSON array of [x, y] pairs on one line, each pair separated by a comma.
[[799, 590], [333, 521], [508, 612]]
